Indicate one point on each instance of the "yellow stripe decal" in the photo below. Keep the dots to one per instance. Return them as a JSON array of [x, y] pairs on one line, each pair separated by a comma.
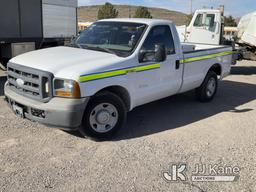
[[188, 60], [114, 73], [148, 67], [118, 72]]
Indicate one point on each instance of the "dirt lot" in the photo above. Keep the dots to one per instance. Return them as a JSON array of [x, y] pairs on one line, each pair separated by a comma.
[[177, 129]]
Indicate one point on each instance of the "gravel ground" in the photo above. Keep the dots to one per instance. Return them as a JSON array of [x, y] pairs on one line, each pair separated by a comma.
[[177, 129]]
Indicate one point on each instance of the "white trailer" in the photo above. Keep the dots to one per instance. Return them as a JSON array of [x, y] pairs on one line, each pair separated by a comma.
[[247, 29], [247, 36]]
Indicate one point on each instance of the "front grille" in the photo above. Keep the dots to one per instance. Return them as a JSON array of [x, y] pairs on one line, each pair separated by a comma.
[[29, 82]]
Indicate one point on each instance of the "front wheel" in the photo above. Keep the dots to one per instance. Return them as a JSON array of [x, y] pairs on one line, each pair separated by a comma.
[[104, 116], [208, 89]]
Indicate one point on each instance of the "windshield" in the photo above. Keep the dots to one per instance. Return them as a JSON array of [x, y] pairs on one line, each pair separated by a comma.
[[119, 38]]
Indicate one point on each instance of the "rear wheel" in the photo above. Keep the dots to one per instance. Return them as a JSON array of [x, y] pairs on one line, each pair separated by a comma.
[[104, 116], [208, 89]]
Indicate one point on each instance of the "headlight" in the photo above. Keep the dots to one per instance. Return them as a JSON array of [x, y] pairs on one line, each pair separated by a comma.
[[66, 88]]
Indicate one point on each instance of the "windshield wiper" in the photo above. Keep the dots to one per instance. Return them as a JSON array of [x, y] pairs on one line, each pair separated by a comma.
[[97, 48], [75, 45]]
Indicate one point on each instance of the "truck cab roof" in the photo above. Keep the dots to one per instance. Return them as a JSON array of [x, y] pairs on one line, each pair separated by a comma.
[[208, 11], [140, 20]]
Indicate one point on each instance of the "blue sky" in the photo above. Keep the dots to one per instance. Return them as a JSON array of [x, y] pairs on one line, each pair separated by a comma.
[[236, 8]]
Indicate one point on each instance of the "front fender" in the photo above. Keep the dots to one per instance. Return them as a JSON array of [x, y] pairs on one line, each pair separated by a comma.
[[90, 88]]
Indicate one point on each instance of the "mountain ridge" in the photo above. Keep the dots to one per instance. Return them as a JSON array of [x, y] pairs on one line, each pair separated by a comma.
[[89, 13]]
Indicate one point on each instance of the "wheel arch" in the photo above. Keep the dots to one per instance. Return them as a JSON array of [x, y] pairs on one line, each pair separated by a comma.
[[119, 91], [216, 68]]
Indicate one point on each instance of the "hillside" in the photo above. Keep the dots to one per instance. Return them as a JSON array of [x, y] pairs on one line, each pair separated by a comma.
[[89, 13]]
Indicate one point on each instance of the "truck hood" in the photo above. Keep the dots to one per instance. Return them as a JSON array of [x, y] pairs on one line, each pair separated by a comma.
[[68, 62]]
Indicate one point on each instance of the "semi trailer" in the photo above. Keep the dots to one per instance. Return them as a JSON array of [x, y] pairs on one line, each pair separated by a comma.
[[27, 25]]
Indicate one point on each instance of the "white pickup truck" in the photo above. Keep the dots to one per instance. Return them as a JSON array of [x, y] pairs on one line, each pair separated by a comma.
[[111, 68]]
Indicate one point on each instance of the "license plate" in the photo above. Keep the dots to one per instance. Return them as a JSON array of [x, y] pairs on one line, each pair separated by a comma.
[[18, 110]]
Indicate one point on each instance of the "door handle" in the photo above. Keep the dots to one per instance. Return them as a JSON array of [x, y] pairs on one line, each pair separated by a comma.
[[177, 65]]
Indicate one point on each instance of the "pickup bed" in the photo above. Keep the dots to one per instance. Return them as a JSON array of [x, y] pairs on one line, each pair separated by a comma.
[[111, 68]]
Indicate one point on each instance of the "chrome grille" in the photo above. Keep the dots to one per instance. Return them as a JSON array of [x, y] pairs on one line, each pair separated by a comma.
[[29, 82]]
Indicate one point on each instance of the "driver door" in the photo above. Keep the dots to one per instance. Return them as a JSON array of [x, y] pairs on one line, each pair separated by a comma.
[[159, 82]]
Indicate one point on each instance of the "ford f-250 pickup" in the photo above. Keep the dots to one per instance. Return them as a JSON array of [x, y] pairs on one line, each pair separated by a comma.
[[111, 68]]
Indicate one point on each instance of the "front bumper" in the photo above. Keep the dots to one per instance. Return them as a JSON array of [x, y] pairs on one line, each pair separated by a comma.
[[64, 113]]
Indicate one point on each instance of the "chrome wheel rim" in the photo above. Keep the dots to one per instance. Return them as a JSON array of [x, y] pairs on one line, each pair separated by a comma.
[[103, 117], [211, 87]]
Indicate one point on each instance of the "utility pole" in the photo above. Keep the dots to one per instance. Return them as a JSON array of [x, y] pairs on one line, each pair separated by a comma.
[[191, 6], [130, 15]]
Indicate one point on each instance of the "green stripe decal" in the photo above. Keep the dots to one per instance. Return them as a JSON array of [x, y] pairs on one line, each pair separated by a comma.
[[118, 72], [147, 67], [114, 73], [188, 60]]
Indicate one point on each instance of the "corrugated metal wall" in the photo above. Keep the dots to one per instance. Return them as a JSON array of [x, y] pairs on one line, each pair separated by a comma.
[[59, 21], [59, 18]]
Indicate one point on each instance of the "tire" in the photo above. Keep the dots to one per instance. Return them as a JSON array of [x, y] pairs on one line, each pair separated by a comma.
[[209, 87], [105, 114]]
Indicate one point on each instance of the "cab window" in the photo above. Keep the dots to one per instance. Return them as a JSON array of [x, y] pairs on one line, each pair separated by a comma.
[[199, 20], [160, 35], [209, 22]]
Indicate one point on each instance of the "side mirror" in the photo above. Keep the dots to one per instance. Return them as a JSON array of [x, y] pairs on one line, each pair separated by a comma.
[[157, 55], [160, 53]]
